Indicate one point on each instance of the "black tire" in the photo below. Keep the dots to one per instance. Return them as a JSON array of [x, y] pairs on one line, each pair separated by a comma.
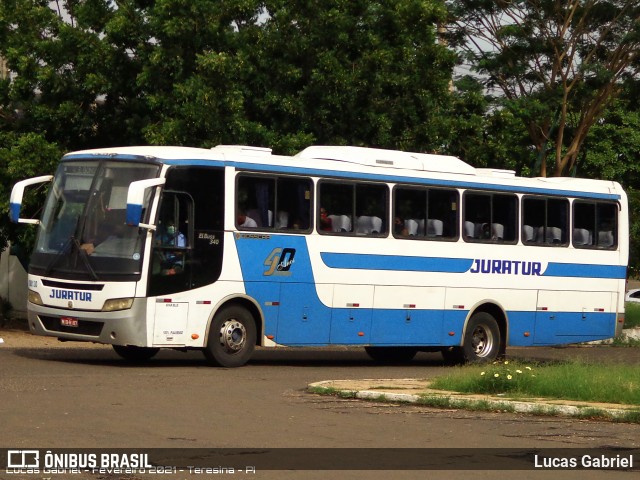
[[132, 353], [232, 337], [391, 354], [482, 340]]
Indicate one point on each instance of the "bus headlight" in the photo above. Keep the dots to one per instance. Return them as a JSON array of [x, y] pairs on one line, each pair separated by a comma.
[[34, 297], [114, 304]]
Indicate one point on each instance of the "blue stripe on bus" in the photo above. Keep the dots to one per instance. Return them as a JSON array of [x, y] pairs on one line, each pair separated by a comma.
[[396, 262], [356, 261], [14, 212], [585, 270], [134, 212]]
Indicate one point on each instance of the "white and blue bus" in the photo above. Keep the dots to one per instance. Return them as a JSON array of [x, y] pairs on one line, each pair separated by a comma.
[[224, 249]]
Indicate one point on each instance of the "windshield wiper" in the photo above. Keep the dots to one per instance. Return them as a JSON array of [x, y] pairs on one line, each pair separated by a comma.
[[85, 257], [79, 251]]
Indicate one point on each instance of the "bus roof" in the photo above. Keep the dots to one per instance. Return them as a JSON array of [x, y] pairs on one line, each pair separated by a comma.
[[358, 160]]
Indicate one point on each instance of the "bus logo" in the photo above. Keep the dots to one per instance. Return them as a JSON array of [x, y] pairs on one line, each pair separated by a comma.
[[508, 267], [279, 261]]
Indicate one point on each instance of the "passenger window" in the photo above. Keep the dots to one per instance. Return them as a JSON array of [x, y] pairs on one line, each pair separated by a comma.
[[267, 203], [255, 198], [595, 225], [490, 217], [545, 221], [358, 208], [425, 213], [293, 204]]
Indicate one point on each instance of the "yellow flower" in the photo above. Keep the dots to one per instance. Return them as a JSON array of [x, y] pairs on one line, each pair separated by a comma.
[[506, 363], [496, 375], [518, 371], [482, 373], [509, 377]]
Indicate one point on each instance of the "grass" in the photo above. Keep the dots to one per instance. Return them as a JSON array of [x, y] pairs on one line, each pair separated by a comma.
[[625, 342], [565, 381], [333, 391], [632, 315], [570, 381]]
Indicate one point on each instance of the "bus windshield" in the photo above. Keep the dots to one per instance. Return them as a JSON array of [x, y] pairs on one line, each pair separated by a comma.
[[83, 234]]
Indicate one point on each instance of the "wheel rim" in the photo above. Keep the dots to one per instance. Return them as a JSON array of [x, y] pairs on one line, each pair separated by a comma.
[[233, 336], [482, 341]]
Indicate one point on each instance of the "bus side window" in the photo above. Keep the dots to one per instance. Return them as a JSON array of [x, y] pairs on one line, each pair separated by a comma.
[[255, 201], [335, 207], [595, 224], [493, 216], [353, 207], [425, 213], [371, 209], [273, 202], [293, 204], [545, 221], [409, 212]]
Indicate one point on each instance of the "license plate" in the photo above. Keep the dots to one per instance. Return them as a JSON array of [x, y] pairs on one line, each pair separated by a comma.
[[68, 322]]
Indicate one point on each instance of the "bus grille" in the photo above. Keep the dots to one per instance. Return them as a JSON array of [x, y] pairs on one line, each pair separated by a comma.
[[84, 327]]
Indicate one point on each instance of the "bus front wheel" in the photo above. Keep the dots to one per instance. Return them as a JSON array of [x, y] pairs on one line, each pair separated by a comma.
[[232, 337], [481, 339], [135, 354]]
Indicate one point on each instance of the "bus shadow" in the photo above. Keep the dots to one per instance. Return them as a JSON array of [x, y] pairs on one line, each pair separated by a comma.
[[306, 357], [293, 357]]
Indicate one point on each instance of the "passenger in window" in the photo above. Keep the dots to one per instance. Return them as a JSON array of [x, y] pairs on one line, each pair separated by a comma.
[[170, 236], [325, 221], [244, 221], [399, 228], [170, 261]]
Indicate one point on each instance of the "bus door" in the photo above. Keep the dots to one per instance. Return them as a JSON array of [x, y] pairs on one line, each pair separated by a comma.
[[171, 263], [187, 248], [172, 245]]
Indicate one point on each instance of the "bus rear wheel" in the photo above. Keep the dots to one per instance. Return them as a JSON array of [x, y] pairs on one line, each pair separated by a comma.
[[391, 354], [135, 354], [232, 337], [481, 339]]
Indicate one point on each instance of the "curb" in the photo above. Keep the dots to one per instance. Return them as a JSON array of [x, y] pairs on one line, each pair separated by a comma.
[[494, 403]]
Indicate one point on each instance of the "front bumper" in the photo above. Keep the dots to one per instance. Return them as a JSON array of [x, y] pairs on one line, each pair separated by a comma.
[[124, 327]]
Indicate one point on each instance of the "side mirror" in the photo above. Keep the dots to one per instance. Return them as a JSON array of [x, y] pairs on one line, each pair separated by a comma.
[[135, 199], [16, 198]]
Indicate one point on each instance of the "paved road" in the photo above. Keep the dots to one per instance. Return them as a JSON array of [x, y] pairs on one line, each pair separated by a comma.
[[75, 395]]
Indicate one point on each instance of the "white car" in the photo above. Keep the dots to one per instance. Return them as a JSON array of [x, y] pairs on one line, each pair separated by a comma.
[[633, 295]]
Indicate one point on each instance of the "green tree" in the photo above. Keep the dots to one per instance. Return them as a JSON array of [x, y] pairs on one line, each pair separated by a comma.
[[355, 72], [556, 64], [194, 71], [288, 74]]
